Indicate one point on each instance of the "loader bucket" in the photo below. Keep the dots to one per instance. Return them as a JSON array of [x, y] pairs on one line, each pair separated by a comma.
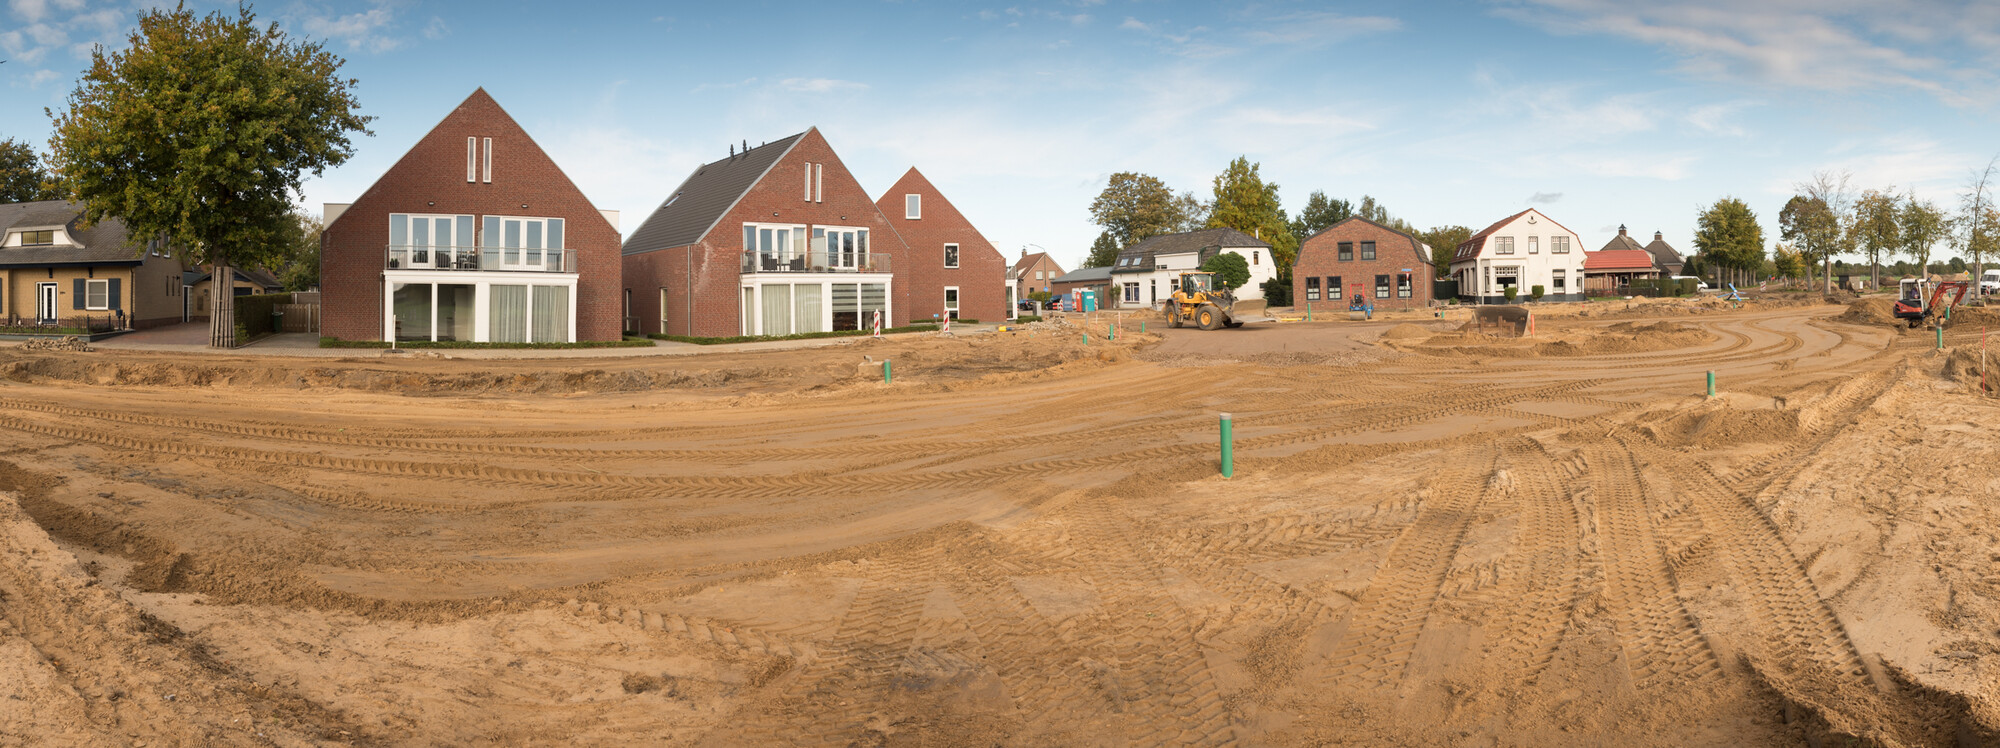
[[1249, 310], [1499, 320]]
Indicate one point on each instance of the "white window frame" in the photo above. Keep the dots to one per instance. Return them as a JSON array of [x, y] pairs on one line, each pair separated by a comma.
[[1131, 292], [1503, 245], [862, 248], [951, 255], [809, 181], [1558, 245], [663, 310], [100, 289], [1558, 278], [913, 206], [819, 183], [497, 243], [471, 160], [1534, 245], [951, 301], [487, 161]]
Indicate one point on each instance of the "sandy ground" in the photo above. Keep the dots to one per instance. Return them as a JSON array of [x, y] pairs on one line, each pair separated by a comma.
[[1432, 538]]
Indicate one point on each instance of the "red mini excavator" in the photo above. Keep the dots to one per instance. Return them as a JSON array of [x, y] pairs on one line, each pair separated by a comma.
[[1923, 302]]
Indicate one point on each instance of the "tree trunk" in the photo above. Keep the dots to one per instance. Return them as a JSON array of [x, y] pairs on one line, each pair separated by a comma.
[[222, 306], [1827, 279]]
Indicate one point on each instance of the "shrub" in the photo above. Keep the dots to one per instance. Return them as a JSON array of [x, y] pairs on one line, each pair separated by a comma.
[[1510, 292], [1278, 292], [463, 344], [800, 336], [1535, 293]]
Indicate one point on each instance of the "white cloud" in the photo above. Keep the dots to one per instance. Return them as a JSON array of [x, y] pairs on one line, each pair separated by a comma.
[[820, 85], [29, 10], [1715, 118], [436, 29], [1545, 198], [1134, 24], [1807, 44], [366, 31]]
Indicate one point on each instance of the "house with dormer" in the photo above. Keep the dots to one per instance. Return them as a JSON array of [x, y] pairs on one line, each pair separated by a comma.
[[1521, 251], [473, 235], [58, 271], [1661, 255], [1143, 274]]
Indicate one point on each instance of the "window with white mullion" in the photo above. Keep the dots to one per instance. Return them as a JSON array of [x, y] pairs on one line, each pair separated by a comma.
[[471, 160], [523, 243], [487, 161], [819, 182], [845, 248], [777, 246], [429, 241], [913, 207]]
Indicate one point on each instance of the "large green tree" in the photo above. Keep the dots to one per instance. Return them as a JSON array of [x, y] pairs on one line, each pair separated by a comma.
[[1832, 232], [1728, 234], [1103, 252], [300, 268], [22, 178], [1444, 241], [1924, 225], [1975, 219], [1134, 207], [1878, 228], [200, 132], [1319, 213], [1247, 203]]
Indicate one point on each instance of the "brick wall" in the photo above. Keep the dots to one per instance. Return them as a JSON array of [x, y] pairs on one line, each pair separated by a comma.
[[1319, 257], [431, 179], [777, 198], [981, 274]]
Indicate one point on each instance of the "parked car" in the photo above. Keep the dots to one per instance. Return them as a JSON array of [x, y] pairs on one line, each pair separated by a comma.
[[1700, 286], [1990, 282], [1028, 305]]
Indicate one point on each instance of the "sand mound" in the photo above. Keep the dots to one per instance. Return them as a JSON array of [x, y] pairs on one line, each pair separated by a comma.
[[1406, 331], [1875, 311]]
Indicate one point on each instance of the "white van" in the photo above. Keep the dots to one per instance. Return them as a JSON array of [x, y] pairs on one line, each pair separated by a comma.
[[1990, 282], [1699, 284]]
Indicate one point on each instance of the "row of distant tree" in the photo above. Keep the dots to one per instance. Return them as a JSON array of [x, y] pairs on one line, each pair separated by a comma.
[[1134, 207], [1827, 217]]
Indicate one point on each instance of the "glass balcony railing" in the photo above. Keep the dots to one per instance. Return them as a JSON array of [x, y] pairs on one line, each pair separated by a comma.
[[815, 262], [496, 259]]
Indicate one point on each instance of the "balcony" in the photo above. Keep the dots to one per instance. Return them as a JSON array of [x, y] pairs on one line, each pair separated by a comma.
[[815, 262], [492, 259]]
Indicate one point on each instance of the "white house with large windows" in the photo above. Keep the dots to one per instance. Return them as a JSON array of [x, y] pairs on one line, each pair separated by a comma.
[[1521, 251], [1143, 274]]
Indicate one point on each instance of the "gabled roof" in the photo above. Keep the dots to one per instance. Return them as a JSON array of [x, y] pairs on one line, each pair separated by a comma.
[[1621, 242], [103, 243], [1617, 259], [1085, 275], [1417, 246], [253, 276], [1146, 253], [701, 200], [1469, 248], [1026, 263], [1663, 253]]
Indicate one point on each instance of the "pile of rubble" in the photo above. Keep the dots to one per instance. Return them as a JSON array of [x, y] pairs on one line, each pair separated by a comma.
[[67, 343]]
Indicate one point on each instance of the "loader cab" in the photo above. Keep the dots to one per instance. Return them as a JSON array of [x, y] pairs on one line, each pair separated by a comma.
[[1194, 283], [1912, 292]]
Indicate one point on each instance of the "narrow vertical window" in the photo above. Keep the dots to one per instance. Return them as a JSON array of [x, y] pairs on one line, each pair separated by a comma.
[[487, 163], [809, 181], [913, 207], [471, 159], [819, 183]]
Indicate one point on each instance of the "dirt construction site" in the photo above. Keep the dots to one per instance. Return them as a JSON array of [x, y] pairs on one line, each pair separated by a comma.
[[1434, 536]]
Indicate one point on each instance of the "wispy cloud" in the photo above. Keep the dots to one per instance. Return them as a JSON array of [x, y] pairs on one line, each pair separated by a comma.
[[366, 31], [1545, 198], [436, 29], [820, 85], [1804, 44]]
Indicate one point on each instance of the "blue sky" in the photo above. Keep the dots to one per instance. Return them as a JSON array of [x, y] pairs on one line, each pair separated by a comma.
[[1599, 113]]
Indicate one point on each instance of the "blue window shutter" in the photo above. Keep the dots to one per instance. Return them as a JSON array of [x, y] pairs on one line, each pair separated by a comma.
[[76, 295], [114, 294]]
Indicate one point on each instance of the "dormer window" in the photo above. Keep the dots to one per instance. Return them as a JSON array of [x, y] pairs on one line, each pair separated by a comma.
[[40, 238]]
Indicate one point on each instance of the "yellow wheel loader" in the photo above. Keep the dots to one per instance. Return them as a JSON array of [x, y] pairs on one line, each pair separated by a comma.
[[1202, 300]]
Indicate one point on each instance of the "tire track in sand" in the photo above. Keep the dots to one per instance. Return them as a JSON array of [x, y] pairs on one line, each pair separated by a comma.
[[1663, 649]]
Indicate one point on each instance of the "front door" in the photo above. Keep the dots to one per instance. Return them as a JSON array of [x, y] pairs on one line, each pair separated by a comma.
[[45, 303]]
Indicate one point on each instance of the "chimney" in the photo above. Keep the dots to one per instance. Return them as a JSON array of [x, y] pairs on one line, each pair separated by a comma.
[[732, 151], [1656, 236], [1621, 229]]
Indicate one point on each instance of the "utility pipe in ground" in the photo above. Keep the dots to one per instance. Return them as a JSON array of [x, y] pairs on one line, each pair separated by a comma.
[[1228, 449]]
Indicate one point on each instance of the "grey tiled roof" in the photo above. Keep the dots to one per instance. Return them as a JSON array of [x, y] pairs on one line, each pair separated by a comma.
[[1664, 255], [1148, 251], [104, 243], [694, 207], [1084, 275]]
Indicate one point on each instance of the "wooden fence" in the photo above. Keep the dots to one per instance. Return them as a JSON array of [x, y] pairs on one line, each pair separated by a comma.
[[300, 317]]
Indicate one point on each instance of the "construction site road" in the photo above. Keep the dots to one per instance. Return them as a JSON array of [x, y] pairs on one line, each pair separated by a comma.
[[1434, 536]]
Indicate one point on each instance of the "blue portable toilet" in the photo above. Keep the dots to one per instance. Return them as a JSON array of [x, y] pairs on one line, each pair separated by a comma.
[[1089, 300]]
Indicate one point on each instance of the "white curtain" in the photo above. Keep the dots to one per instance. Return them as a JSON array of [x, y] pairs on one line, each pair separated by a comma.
[[551, 314], [777, 310], [507, 313], [806, 304]]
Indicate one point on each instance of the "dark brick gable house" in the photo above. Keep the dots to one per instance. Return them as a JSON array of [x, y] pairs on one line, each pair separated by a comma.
[[950, 268], [1391, 269], [474, 235], [772, 240]]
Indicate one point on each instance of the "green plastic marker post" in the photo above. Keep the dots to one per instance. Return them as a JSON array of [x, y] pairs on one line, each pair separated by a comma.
[[1228, 450], [1309, 311], [1111, 332], [1940, 338], [1086, 338], [1142, 327], [886, 375], [1711, 384]]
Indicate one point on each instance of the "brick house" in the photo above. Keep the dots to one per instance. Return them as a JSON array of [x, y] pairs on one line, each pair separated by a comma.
[[772, 240], [1611, 271], [1358, 256], [475, 234], [1664, 257], [1032, 273], [950, 267], [55, 271], [1521, 251]]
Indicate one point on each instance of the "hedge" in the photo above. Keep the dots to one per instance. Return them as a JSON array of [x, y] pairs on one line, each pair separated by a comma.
[[338, 343], [800, 336]]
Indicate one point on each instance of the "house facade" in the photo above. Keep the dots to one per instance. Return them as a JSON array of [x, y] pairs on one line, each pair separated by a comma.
[[1521, 251], [1034, 272], [1143, 275], [950, 268], [1389, 268], [773, 240], [1096, 279], [474, 235], [57, 272], [1663, 256], [1609, 272]]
